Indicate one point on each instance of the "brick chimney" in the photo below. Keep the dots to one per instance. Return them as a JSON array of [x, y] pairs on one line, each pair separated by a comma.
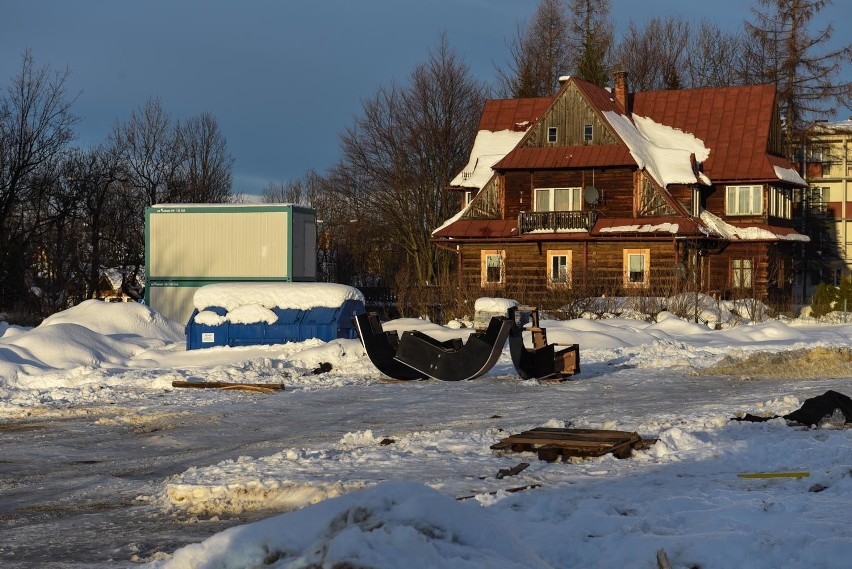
[[622, 92]]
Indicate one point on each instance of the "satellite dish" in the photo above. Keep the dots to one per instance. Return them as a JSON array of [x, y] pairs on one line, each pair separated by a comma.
[[590, 195]]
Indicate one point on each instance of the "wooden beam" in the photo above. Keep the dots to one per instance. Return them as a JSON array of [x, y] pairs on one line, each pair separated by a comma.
[[258, 387]]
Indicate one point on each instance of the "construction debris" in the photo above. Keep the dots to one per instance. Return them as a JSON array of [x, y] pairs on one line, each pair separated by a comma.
[[551, 444], [256, 387]]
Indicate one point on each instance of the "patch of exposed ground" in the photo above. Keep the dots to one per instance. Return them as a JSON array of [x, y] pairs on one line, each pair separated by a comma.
[[805, 363]]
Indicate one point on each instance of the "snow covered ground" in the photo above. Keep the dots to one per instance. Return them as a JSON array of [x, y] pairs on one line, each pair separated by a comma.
[[104, 464]]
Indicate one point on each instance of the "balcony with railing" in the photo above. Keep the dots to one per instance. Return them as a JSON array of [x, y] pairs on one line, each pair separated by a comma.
[[555, 221]]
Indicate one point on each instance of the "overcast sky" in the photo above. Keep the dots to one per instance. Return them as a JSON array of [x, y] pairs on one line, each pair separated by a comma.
[[282, 77]]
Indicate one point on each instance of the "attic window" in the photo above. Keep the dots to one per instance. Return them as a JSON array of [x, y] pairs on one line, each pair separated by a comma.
[[551, 134], [587, 133]]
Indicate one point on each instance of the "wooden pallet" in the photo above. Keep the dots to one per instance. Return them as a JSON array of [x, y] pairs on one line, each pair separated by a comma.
[[551, 444]]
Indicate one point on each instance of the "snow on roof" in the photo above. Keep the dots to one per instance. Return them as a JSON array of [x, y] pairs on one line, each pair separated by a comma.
[[488, 149], [115, 278], [643, 228], [663, 151], [299, 296], [453, 219], [734, 233], [494, 304], [789, 175]]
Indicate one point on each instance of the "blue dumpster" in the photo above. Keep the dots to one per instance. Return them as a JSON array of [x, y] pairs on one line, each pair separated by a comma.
[[291, 325]]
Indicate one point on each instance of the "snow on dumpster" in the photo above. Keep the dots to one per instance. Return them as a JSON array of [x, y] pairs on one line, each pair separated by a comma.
[[245, 314]]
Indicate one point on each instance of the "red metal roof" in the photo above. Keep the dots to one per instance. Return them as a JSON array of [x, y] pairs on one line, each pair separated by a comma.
[[512, 114], [733, 122], [600, 98], [592, 156], [480, 229]]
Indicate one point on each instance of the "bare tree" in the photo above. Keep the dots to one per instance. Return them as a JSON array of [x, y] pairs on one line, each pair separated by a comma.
[[787, 52], [539, 54], [654, 55], [35, 129], [714, 57], [399, 157], [206, 172], [152, 151], [94, 182]]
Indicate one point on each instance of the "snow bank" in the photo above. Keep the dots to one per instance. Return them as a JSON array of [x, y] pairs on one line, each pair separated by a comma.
[[392, 525], [299, 296], [124, 318]]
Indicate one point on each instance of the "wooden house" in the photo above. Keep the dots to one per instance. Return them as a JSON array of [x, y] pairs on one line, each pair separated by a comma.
[[625, 193]]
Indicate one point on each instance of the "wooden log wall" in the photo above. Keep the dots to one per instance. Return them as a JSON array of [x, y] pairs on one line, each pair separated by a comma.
[[569, 114], [595, 266], [615, 188]]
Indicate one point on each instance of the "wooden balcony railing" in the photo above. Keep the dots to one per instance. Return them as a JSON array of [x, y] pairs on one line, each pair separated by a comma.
[[529, 221]]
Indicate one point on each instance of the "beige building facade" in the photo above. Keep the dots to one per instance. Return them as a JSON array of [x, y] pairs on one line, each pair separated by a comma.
[[829, 199]]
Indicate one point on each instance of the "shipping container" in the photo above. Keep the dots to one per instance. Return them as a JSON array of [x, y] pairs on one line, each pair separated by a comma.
[[191, 245]]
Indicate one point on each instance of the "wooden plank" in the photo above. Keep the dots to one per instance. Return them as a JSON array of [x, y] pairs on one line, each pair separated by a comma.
[[259, 387]]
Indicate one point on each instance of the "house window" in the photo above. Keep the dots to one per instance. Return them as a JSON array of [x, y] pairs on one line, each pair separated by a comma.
[[636, 267], [744, 200], [587, 133], [780, 203], [492, 267], [559, 268], [551, 134], [558, 199], [468, 197], [741, 273], [696, 202]]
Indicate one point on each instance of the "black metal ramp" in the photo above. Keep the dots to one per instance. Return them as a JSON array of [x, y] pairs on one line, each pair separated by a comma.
[[450, 362], [381, 348]]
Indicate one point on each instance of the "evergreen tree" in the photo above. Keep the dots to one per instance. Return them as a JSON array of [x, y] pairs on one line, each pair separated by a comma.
[[591, 39]]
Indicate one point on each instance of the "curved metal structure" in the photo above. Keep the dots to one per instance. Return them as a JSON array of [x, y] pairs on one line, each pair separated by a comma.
[[381, 348], [417, 355], [454, 363]]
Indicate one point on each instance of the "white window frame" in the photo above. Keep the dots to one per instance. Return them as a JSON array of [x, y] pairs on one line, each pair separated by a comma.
[[645, 256], [564, 279], [552, 134], [780, 202], [575, 199], [467, 197], [754, 200], [588, 132], [742, 274], [488, 256]]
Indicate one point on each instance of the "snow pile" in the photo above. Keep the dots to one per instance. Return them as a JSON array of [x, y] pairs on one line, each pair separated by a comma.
[[91, 334], [497, 305], [299, 296], [379, 527], [802, 363], [665, 152], [120, 319]]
